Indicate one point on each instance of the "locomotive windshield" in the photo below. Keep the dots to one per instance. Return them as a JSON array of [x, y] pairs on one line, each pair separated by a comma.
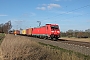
[[54, 27]]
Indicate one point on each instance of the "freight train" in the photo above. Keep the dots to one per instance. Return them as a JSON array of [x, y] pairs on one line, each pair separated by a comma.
[[48, 31]]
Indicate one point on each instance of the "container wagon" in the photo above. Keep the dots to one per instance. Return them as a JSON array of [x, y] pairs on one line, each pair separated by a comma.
[[29, 32], [23, 32], [16, 32]]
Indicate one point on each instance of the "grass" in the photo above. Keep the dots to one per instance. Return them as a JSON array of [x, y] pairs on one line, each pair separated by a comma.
[[22, 48], [2, 35], [77, 39]]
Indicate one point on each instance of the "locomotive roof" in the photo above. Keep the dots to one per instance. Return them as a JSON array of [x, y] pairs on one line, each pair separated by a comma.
[[51, 24]]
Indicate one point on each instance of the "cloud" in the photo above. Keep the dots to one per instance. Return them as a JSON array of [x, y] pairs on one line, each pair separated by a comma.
[[32, 14], [48, 6], [41, 8], [28, 14], [17, 21], [44, 4], [63, 12], [3, 15], [66, 12], [88, 21]]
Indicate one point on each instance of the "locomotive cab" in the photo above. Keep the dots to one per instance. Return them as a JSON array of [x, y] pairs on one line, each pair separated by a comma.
[[53, 31]]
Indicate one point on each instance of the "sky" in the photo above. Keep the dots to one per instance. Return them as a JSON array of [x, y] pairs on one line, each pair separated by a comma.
[[68, 14]]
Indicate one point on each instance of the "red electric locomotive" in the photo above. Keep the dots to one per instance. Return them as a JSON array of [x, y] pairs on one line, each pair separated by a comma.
[[47, 31]]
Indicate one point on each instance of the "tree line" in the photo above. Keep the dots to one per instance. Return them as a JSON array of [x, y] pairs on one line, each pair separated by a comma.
[[4, 28], [76, 33]]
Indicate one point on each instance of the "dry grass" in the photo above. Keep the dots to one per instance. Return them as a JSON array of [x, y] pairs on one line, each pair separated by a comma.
[[22, 48], [17, 48], [76, 39], [2, 35]]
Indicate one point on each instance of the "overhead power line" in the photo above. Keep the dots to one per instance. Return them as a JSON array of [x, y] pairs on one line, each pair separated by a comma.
[[77, 16], [80, 8], [70, 11]]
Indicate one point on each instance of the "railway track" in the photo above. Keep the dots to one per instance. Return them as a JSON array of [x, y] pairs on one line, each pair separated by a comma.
[[76, 46], [79, 43], [71, 42]]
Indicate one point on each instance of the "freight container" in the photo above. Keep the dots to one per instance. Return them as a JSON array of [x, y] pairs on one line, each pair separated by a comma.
[[17, 32], [30, 31], [24, 32]]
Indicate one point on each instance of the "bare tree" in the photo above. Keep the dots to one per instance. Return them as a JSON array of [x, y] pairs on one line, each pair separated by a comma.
[[5, 27]]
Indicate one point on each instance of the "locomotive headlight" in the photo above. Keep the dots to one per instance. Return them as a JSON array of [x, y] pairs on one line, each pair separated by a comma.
[[58, 31], [52, 31]]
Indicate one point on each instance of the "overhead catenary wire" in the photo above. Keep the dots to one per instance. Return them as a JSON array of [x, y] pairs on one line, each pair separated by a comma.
[[69, 11], [76, 16]]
